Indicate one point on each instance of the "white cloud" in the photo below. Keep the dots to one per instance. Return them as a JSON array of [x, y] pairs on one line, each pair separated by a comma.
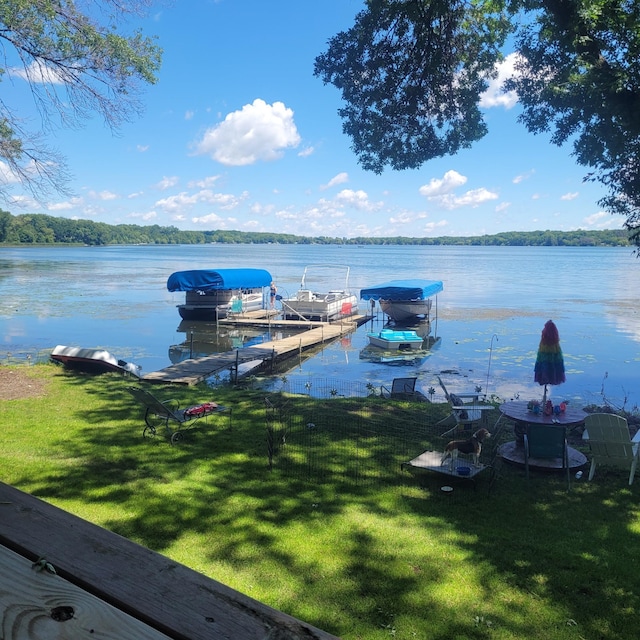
[[167, 182], [189, 115], [65, 206], [340, 178], [6, 175], [472, 198], [183, 201], [430, 227], [147, 216], [142, 148], [226, 200], [177, 202], [288, 215], [402, 218], [36, 72], [523, 176], [440, 192], [91, 211], [437, 187], [495, 96], [604, 220], [261, 209], [259, 131], [24, 202], [205, 183], [208, 219], [306, 152], [569, 196], [103, 195], [357, 199]]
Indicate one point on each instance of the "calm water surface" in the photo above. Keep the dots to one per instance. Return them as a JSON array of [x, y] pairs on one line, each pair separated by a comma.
[[490, 315]]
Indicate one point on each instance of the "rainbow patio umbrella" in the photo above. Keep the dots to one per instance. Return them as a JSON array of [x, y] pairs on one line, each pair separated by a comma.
[[549, 367]]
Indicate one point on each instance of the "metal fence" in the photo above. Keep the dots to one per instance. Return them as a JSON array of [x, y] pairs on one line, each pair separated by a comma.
[[327, 387], [362, 444]]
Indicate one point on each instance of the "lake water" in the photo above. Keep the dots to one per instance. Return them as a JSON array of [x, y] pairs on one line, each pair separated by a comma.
[[490, 315]]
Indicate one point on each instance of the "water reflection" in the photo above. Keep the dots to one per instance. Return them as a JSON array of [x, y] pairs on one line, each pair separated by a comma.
[[413, 357], [202, 339]]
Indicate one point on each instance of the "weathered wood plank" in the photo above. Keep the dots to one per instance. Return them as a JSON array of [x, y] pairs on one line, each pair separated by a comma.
[[165, 595], [194, 370], [40, 605]]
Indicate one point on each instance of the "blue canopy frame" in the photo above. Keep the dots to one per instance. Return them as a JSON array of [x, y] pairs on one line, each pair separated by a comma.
[[415, 289], [220, 279]]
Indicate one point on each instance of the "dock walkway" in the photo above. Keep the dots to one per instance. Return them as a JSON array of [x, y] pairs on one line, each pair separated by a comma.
[[194, 370]]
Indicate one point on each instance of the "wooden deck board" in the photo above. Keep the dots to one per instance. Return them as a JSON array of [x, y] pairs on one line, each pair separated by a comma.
[[40, 604], [166, 596]]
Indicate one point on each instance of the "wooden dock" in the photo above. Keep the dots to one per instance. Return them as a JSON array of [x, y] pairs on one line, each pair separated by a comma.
[[194, 370]]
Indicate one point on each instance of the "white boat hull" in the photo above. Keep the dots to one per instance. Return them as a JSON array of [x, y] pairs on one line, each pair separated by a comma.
[[403, 310], [97, 360]]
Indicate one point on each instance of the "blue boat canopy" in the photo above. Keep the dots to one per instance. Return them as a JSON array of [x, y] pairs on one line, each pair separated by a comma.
[[402, 290], [210, 280]]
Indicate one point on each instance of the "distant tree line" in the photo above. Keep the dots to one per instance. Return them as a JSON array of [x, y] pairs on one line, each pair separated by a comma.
[[32, 229]]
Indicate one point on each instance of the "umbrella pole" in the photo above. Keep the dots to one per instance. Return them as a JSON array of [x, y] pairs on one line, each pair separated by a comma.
[[544, 397]]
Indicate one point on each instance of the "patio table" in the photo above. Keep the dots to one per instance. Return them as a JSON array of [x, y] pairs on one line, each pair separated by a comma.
[[517, 412]]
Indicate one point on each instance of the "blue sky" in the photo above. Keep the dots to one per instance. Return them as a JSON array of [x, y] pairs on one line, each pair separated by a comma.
[[239, 134]]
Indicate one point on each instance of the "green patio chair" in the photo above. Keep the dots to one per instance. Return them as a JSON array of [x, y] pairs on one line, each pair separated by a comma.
[[546, 442]]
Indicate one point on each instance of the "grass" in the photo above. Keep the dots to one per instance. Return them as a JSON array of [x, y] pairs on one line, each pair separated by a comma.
[[336, 533]]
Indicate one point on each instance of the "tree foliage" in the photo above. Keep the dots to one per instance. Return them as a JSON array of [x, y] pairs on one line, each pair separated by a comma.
[[411, 73], [75, 67], [31, 229]]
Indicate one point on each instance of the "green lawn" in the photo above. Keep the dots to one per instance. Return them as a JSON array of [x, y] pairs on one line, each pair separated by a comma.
[[335, 533]]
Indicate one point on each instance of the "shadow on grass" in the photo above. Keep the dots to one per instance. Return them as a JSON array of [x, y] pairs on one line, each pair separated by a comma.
[[529, 550]]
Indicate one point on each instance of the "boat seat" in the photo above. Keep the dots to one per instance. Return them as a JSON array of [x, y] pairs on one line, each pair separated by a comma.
[[305, 296], [236, 306]]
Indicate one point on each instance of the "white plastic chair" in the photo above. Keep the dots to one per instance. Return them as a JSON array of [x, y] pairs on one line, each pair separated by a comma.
[[467, 416]]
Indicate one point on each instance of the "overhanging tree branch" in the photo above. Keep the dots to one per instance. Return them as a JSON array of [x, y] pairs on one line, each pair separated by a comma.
[[75, 68], [577, 78]]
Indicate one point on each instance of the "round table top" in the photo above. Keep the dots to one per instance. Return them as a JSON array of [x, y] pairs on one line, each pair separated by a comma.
[[517, 410]]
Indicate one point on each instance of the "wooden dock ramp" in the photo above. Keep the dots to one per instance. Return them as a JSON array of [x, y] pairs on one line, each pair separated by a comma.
[[194, 370]]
